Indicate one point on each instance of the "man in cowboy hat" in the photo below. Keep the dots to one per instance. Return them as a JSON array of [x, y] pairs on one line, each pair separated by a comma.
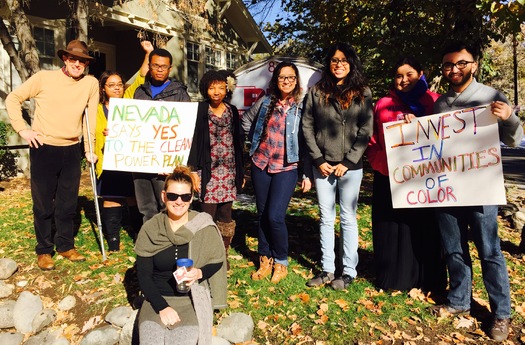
[[53, 135]]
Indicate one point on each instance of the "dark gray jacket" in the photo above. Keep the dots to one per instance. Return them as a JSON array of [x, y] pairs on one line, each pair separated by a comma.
[[337, 135], [174, 92]]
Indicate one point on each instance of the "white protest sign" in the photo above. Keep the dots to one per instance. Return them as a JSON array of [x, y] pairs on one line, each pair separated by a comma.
[[148, 136], [449, 159]]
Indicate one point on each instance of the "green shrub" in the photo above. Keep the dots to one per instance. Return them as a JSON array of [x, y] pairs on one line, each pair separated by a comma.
[[8, 167]]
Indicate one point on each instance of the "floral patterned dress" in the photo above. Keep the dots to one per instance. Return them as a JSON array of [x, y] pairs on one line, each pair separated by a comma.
[[221, 187]]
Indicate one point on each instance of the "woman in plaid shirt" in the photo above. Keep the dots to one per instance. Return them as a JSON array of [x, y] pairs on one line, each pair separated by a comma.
[[273, 123]]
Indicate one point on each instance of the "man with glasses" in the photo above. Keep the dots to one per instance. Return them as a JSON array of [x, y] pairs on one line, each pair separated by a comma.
[[60, 96], [160, 87], [458, 67]]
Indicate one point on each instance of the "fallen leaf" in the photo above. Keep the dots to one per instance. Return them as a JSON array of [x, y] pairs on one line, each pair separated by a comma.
[[262, 325], [296, 328], [464, 323], [89, 324], [342, 304]]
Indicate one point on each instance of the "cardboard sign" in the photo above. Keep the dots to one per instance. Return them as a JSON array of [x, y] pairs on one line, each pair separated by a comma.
[[449, 159], [148, 136]]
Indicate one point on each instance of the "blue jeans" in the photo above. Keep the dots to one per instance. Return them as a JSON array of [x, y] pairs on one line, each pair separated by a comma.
[[453, 224], [273, 193], [55, 179], [148, 188], [327, 188]]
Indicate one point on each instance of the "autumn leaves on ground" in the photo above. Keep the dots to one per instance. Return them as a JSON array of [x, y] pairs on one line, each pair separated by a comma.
[[287, 313]]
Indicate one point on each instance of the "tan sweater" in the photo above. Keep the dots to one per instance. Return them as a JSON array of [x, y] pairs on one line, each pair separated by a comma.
[[59, 107]]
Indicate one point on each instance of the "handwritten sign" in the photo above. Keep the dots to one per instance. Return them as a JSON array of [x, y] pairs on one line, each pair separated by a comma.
[[148, 136], [449, 159]]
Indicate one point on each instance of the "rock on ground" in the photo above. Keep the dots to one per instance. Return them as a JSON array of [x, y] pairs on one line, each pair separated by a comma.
[[6, 314], [11, 338], [119, 316], [26, 308], [236, 328], [47, 338], [43, 319], [7, 268], [67, 303], [219, 341], [126, 335], [6, 289], [108, 335]]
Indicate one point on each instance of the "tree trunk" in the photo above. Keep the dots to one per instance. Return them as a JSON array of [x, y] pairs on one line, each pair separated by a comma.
[[515, 67], [82, 18], [79, 19], [27, 49], [10, 48]]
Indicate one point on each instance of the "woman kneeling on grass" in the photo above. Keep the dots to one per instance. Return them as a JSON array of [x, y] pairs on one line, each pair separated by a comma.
[[167, 315]]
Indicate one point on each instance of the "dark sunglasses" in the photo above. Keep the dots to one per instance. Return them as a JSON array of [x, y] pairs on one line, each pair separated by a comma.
[[174, 196]]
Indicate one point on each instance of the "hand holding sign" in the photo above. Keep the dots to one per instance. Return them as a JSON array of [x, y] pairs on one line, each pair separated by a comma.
[[148, 136]]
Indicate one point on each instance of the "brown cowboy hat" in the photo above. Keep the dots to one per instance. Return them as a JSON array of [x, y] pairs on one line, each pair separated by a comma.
[[77, 49]]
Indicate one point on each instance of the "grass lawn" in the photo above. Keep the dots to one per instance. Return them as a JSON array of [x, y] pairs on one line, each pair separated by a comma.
[[287, 313]]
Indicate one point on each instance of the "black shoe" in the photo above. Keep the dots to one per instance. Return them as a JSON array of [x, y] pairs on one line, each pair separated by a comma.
[[342, 282], [114, 244], [322, 278]]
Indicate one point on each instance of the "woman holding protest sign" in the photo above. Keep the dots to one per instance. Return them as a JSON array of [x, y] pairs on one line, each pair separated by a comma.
[[116, 187], [337, 125], [407, 246], [216, 151]]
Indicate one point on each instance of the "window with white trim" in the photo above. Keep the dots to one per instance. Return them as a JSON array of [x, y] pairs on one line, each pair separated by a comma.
[[231, 61], [45, 41], [192, 59], [213, 59]]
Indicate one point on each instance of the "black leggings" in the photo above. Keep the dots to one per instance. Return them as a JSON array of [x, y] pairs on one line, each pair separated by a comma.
[[221, 212]]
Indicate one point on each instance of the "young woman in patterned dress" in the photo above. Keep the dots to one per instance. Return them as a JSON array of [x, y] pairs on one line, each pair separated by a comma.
[[216, 151]]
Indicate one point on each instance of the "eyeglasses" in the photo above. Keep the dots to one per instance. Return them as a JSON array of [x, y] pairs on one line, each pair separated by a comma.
[[115, 86], [174, 196], [159, 67], [73, 59], [448, 66], [290, 78], [336, 61]]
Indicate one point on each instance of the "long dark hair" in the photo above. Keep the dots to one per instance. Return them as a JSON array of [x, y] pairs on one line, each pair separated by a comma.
[[354, 84], [102, 82], [275, 93]]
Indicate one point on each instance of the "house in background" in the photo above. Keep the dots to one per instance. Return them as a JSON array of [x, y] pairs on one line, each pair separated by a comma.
[[222, 35]]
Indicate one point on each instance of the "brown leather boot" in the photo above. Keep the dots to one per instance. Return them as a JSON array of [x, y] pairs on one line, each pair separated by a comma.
[[72, 255], [227, 231], [279, 273], [45, 262], [265, 268]]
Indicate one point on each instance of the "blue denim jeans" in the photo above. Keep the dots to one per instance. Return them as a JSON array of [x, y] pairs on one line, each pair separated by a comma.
[[454, 223], [273, 193], [148, 190], [55, 180], [327, 188]]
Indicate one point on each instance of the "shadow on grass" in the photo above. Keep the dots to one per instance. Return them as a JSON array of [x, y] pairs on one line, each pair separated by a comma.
[[87, 205], [303, 237]]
